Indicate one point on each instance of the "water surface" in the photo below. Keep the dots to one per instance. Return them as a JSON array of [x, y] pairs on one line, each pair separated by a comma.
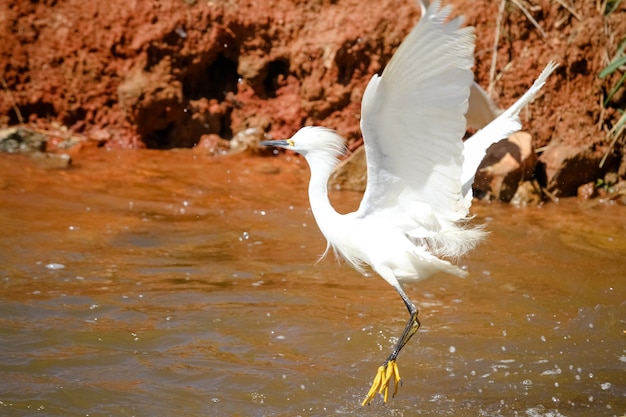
[[145, 283]]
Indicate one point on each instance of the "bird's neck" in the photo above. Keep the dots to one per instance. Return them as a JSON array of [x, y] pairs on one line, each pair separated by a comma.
[[323, 211]]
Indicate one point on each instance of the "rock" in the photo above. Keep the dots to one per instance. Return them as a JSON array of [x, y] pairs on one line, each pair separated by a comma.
[[212, 144], [527, 193], [100, 135], [618, 193], [351, 173], [612, 194], [248, 140], [587, 191], [49, 160], [25, 140], [21, 140], [506, 165], [567, 166]]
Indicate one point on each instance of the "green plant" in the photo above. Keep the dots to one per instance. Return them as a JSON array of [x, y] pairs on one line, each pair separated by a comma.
[[618, 61], [611, 6], [603, 185]]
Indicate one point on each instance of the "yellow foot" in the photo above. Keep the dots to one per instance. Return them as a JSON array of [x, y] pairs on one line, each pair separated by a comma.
[[381, 382]]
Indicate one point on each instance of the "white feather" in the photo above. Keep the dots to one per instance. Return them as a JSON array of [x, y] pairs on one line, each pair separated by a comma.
[[504, 125]]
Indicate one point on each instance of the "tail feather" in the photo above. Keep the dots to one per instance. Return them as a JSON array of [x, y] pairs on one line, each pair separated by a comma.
[[504, 125]]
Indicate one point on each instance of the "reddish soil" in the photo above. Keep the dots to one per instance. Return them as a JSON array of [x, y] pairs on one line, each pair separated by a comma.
[[162, 74]]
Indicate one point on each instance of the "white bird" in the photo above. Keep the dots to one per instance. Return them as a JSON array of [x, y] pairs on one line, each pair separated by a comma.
[[413, 218]]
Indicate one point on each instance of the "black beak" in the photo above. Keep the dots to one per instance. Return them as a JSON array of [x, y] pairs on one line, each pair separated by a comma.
[[277, 143]]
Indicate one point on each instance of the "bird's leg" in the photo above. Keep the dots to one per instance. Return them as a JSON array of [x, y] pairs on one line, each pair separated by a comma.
[[389, 368], [409, 330]]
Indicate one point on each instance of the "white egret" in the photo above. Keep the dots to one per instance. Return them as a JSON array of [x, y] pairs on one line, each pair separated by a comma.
[[413, 218]]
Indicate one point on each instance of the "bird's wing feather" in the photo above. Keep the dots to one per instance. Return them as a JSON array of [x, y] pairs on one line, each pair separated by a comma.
[[504, 125], [413, 120]]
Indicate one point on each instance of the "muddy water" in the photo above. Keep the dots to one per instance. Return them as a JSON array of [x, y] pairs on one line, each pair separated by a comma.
[[144, 283]]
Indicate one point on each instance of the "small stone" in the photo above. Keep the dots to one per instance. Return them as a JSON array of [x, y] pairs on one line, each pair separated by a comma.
[[212, 144], [248, 140], [49, 160], [21, 140], [587, 191]]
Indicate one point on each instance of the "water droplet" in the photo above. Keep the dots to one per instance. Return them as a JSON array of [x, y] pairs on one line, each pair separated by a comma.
[[54, 266]]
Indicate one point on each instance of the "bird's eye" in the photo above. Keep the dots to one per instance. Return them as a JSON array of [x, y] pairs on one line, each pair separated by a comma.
[[291, 142]]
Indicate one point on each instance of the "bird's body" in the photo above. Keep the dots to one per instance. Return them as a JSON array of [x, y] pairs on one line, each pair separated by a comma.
[[413, 218], [402, 238]]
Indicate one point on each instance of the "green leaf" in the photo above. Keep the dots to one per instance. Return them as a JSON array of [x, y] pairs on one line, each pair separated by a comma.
[[613, 8], [612, 66], [615, 88]]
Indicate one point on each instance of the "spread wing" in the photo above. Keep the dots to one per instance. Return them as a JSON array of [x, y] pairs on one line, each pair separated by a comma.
[[413, 121]]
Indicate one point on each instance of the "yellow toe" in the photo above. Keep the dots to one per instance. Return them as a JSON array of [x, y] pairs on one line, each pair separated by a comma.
[[375, 385], [381, 382]]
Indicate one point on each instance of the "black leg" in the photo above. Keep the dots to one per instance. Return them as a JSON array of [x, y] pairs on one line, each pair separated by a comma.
[[409, 330]]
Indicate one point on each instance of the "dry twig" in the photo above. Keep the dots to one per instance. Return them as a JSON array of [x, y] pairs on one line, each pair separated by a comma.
[[494, 51], [569, 9], [616, 132], [18, 113], [529, 17]]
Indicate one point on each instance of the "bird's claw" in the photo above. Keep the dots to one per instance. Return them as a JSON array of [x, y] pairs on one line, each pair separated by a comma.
[[381, 382]]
